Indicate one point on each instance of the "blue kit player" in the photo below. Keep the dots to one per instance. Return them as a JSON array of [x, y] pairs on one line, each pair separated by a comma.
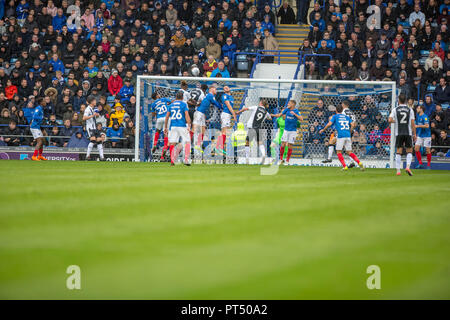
[[200, 117], [225, 118], [159, 109], [180, 125], [291, 116], [423, 137], [35, 128], [343, 125]]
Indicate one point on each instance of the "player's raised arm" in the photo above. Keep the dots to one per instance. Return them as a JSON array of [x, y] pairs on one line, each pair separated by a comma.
[[228, 104], [298, 116], [166, 123], [391, 118], [242, 110], [413, 127], [188, 118], [276, 115], [87, 117], [329, 124]]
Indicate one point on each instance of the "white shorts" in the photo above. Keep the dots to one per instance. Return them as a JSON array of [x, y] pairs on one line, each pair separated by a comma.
[[423, 142], [289, 136], [37, 133], [199, 119], [225, 119], [160, 123], [176, 133], [344, 143]]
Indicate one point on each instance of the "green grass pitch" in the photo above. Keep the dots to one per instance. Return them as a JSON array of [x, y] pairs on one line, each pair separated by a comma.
[[150, 231]]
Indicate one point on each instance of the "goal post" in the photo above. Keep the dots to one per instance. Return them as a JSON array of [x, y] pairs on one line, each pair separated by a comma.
[[370, 101]]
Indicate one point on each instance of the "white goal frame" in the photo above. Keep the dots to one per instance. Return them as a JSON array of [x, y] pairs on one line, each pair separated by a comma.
[[288, 81]]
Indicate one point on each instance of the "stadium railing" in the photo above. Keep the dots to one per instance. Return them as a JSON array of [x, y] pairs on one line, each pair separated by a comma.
[[315, 55], [279, 54], [48, 136]]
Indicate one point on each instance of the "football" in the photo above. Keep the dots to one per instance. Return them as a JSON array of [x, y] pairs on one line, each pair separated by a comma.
[[195, 71]]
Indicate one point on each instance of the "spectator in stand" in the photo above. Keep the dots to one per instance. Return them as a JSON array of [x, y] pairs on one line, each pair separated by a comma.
[[270, 44], [115, 83], [199, 42], [136, 37], [59, 20], [10, 90], [417, 15], [323, 60], [11, 134], [443, 141], [117, 115], [209, 66], [377, 72], [126, 91], [286, 14], [220, 70], [66, 131], [213, 49], [114, 133], [228, 49], [5, 116], [442, 92], [429, 61]]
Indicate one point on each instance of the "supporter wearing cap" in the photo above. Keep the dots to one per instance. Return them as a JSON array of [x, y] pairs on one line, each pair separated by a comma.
[[126, 91]]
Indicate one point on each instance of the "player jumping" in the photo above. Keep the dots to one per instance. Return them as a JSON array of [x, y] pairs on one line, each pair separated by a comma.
[[403, 118], [184, 88], [200, 117], [423, 137], [95, 136], [254, 124], [197, 95], [180, 124], [332, 141], [35, 128], [159, 109], [343, 125], [225, 118], [291, 116]]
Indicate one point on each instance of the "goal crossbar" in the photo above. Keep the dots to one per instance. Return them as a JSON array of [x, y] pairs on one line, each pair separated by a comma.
[[293, 82]]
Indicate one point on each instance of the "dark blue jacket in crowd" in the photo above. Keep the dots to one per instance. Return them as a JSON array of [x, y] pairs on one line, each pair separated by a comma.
[[126, 93]]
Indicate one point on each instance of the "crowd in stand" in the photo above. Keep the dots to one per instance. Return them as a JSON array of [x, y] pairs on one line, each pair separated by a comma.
[[409, 45], [69, 49], [65, 50]]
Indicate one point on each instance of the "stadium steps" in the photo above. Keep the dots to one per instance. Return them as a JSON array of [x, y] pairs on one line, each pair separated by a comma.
[[290, 37]]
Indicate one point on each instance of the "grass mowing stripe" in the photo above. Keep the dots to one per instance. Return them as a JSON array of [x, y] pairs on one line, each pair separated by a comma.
[[218, 231]]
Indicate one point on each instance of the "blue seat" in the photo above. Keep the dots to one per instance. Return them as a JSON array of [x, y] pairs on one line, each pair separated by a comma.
[[241, 62]]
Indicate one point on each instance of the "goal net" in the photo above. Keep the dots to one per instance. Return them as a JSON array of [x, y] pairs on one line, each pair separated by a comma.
[[369, 102]]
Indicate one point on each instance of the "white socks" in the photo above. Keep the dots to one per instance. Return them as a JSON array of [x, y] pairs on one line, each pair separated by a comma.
[[398, 161], [330, 152], [408, 160], [89, 149], [100, 150], [262, 150]]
